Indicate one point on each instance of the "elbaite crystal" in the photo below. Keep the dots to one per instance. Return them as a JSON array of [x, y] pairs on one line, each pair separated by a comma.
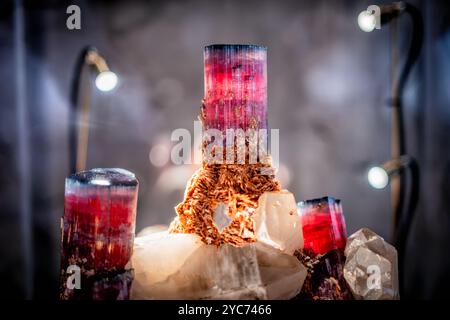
[[230, 181], [324, 237], [323, 225], [235, 87], [98, 232], [325, 278]]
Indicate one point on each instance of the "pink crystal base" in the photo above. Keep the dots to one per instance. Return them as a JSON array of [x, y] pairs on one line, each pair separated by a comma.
[[100, 229]]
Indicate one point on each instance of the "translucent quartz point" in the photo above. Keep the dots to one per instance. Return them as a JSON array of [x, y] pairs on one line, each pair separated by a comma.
[[180, 266], [371, 269], [277, 223]]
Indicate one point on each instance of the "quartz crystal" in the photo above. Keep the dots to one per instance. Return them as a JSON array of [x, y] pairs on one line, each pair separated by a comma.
[[323, 225], [181, 266], [276, 221], [371, 267], [98, 231]]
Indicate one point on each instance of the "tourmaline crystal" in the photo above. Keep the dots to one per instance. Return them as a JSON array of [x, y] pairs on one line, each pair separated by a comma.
[[98, 232], [230, 182], [235, 87], [324, 235], [371, 269], [323, 225], [325, 280]]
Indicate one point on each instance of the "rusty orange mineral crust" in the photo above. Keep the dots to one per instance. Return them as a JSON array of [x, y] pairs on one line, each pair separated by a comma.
[[237, 185]]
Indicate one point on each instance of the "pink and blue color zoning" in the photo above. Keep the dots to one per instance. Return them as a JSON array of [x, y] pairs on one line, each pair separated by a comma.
[[323, 225], [235, 87]]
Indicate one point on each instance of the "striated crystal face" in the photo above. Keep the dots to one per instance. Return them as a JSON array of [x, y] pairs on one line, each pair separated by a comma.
[[371, 269], [180, 266], [99, 219], [325, 280], [235, 87], [97, 234], [323, 225]]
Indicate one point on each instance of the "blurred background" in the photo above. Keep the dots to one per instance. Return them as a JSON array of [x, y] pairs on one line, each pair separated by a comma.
[[328, 85]]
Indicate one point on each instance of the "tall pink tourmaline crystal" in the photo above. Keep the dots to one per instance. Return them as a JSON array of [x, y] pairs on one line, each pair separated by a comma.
[[235, 87]]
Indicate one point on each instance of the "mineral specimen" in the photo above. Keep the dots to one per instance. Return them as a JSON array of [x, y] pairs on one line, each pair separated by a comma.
[[371, 267], [235, 99], [277, 223], [226, 208], [97, 233], [325, 279], [101, 286], [181, 266], [235, 87], [238, 186], [323, 225], [324, 242]]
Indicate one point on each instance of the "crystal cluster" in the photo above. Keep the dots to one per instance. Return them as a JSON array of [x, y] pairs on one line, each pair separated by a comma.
[[237, 235], [371, 267], [223, 194], [235, 231], [324, 237], [181, 266], [97, 234]]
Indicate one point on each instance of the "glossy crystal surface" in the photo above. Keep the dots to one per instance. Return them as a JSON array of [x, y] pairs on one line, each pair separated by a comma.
[[323, 225], [235, 87], [99, 218]]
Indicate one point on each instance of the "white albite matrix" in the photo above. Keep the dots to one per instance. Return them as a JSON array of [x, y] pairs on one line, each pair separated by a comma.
[[180, 266]]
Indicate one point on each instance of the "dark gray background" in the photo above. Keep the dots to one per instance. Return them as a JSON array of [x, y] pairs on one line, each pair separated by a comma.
[[328, 87]]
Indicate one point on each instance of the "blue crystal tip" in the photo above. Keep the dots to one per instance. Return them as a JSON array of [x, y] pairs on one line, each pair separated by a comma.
[[105, 177]]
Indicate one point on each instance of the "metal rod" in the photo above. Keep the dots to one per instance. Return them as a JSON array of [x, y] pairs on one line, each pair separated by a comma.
[[397, 134], [403, 211], [78, 126], [83, 126]]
